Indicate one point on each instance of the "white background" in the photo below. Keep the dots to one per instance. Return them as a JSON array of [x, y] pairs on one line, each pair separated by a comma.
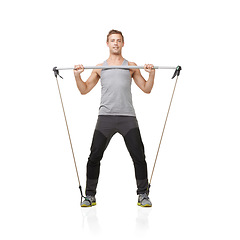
[[195, 187]]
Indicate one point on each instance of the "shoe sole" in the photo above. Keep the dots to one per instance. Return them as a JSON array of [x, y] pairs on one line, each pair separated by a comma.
[[84, 205], [146, 205]]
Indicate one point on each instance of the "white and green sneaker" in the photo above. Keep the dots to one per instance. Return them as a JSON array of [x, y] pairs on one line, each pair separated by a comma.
[[89, 201], [144, 201]]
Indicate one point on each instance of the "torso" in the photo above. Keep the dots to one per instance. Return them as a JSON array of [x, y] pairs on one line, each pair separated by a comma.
[[116, 96]]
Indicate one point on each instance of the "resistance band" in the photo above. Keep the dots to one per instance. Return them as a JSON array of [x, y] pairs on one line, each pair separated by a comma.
[[176, 74]]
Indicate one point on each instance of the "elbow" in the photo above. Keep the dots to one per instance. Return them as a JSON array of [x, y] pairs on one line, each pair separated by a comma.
[[148, 91], [83, 93]]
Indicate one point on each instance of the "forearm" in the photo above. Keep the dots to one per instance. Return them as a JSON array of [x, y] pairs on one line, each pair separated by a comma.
[[149, 83], [80, 84]]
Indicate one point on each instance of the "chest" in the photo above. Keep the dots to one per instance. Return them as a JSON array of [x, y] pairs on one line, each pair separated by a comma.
[[116, 78]]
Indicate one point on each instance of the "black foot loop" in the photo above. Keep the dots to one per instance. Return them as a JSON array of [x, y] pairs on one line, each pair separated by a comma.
[[82, 195], [177, 71], [56, 72], [148, 190]]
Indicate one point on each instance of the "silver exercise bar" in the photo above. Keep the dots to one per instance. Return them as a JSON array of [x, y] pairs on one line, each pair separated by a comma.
[[176, 73], [117, 67]]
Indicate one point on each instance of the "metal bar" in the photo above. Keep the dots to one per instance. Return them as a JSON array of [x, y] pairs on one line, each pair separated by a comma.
[[118, 67]]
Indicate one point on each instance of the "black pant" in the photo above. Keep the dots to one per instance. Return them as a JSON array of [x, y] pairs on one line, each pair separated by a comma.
[[106, 127]]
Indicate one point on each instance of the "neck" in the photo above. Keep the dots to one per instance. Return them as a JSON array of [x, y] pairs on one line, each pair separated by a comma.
[[115, 58]]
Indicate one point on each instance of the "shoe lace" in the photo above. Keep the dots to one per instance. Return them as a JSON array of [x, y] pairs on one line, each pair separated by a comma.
[[89, 198], [143, 196]]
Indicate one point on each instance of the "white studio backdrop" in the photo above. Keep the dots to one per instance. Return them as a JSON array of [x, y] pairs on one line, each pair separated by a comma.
[[195, 187]]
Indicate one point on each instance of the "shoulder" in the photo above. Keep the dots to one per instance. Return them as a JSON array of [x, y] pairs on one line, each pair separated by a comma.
[[132, 64], [135, 72], [98, 71]]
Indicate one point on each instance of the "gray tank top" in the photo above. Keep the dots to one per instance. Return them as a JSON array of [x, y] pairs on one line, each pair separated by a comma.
[[116, 98]]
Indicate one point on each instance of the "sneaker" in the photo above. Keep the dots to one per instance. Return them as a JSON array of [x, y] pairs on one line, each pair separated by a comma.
[[143, 200], [89, 201]]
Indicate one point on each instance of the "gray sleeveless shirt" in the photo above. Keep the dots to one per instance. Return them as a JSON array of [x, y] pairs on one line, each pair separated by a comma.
[[116, 98]]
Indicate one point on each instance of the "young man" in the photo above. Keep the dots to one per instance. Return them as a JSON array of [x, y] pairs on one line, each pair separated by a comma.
[[116, 114]]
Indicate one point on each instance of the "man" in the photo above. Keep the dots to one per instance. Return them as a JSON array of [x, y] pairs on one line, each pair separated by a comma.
[[116, 114]]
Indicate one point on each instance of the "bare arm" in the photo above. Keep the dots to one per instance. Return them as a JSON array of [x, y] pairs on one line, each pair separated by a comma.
[[145, 86], [85, 87]]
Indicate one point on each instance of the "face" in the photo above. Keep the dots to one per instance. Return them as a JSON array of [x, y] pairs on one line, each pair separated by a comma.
[[115, 43]]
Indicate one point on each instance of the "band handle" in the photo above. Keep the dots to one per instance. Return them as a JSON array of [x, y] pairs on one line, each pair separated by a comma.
[[56, 72], [177, 71]]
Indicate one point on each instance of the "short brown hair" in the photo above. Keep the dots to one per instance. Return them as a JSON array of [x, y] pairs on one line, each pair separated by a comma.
[[113, 31]]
